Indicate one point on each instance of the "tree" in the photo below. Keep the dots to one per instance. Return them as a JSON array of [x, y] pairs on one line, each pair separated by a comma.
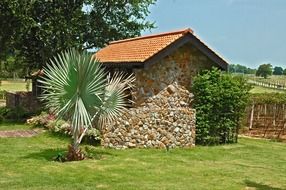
[[284, 72], [12, 24], [237, 68], [278, 71], [77, 89], [40, 29], [264, 70]]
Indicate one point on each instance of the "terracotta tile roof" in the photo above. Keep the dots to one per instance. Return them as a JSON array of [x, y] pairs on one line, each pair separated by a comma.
[[138, 49]]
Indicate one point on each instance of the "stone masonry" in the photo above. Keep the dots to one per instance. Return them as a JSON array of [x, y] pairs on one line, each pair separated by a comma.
[[162, 121], [24, 100], [180, 66]]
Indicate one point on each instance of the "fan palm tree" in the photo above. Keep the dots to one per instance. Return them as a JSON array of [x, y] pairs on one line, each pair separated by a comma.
[[76, 88]]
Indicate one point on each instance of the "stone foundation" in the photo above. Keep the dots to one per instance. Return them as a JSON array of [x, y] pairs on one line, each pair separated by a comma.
[[163, 121]]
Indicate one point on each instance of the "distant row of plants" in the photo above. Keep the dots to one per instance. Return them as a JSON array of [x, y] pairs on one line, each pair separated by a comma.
[[264, 70], [268, 98]]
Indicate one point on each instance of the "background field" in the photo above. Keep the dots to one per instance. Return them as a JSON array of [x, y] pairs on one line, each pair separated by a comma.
[[281, 79], [14, 85], [260, 89], [273, 84]]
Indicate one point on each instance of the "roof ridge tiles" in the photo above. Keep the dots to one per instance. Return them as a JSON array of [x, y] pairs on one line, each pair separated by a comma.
[[184, 31]]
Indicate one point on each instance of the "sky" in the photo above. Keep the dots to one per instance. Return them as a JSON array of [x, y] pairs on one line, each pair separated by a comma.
[[247, 32]]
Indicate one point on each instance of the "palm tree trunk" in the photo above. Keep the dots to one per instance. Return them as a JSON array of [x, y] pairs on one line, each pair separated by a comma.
[[74, 152]]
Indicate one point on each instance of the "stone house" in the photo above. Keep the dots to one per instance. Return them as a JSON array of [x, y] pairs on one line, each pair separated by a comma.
[[159, 60]]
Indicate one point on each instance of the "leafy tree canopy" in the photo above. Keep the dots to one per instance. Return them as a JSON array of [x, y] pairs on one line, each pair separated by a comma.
[[264, 70], [237, 68], [39, 29], [278, 71]]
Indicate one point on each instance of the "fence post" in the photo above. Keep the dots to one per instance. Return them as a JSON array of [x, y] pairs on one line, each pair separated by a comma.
[[251, 117], [274, 115]]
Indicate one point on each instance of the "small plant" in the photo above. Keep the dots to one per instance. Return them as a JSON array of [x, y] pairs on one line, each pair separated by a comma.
[[41, 120], [61, 157]]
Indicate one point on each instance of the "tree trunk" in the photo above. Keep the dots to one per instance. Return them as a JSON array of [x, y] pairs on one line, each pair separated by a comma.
[[74, 152]]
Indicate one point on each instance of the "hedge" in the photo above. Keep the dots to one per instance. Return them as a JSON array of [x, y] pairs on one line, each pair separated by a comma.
[[220, 100]]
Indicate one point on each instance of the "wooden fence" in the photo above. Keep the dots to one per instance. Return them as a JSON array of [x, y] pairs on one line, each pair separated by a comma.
[[267, 120], [274, 85]]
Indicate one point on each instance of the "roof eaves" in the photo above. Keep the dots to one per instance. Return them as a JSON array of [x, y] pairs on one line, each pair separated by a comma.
[[120, 64], [184, 31], [208, 51]]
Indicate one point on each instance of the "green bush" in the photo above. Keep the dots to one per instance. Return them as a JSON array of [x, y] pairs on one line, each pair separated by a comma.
[[48, 121], [14, 114], [220, 101]]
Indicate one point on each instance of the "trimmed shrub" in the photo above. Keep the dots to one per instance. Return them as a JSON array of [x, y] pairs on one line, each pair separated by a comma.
[[220, 100]]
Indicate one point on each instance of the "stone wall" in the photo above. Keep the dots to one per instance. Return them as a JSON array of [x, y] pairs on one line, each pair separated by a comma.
[[181, 66], [24, 100], [164, 120]]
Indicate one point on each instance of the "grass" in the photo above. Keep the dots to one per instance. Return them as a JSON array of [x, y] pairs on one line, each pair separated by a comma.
[[273, 79], [26, 163], [13, 85], [260, 89], [13, 126]]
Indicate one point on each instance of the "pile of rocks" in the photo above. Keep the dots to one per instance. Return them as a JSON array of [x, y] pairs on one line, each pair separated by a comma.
[[162, 121]]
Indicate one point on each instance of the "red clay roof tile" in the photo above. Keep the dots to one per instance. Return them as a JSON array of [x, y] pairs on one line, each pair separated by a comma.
[[138, 49]]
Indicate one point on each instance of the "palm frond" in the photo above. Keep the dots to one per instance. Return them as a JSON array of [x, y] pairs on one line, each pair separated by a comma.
[[73, 86], [76, 87], [116, 93]]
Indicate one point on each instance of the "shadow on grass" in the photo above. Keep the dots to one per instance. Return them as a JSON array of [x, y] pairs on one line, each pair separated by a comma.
[[62, 136], [52, 154], [96, 154], [47, 154], [259, 186]]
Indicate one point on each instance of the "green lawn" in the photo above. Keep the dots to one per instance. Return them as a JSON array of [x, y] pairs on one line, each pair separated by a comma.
[[26, 163], [260, 89], [272, 79], [13, 126]]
